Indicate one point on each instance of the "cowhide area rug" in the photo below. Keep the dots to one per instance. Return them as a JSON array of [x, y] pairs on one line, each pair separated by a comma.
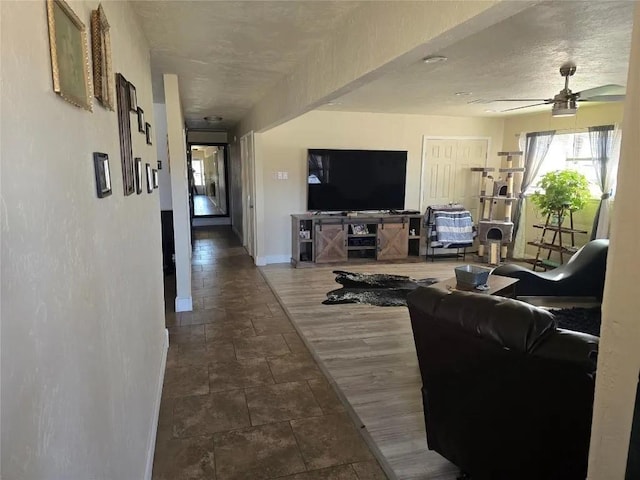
[[378, 289], [384, 290]]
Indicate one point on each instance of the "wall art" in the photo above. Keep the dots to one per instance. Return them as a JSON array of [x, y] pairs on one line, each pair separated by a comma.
[[101, 53], [69, 54], [103, 174], [133, 98], [141, 123], [124, 129], [148, 133], [138, 170], [149, 178]]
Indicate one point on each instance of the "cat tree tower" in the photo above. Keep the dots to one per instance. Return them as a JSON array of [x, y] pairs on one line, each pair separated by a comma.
[[495, 235]]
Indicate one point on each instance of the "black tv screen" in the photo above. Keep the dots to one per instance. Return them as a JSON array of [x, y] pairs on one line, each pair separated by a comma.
[[349, 180]]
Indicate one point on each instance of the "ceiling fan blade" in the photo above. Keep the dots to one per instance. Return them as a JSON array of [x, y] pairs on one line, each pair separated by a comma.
[[603, 98], [526, 106], [545, 100], [611, 89]]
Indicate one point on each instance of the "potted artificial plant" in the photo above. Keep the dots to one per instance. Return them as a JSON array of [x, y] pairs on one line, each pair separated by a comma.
[[562, 191]]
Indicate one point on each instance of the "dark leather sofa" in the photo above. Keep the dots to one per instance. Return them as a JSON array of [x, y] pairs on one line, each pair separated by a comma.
[[506, 394], [582, 276]]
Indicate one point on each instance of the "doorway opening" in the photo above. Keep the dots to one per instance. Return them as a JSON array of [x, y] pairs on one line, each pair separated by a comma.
[[208, 170]]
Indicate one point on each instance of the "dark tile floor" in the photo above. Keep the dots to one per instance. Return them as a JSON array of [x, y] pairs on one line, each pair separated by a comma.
[[242, 397]]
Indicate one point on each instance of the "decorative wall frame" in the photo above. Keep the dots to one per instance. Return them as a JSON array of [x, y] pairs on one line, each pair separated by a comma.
[[124, 129], [155, 178], [141, 122], [69, 55], [147, 128], [159, 164], [101, 54], [103, 174], [133, 98], [149, 178], [138, 169]]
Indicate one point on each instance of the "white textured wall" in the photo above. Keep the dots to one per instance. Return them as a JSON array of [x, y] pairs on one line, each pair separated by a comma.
[[82, 297], [284, 148], [619, 355], [164, 176], [179, 192]]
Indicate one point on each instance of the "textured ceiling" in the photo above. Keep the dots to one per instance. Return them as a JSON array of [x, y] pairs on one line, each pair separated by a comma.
[[228, 54], [517, 58]]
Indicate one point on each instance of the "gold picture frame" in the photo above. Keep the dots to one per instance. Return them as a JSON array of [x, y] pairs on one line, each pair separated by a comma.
[[69, 55], [101, 55]]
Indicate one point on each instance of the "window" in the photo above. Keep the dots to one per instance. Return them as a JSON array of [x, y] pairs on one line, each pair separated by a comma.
[[569, 151]]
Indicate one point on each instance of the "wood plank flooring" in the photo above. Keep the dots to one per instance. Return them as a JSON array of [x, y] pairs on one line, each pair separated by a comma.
[[368, 352]]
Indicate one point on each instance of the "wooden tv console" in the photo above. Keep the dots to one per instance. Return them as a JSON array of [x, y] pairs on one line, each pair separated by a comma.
[[326, 238]]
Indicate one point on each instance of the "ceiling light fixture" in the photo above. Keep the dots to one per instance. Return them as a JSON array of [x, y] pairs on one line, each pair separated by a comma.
[[435, 59], [213, 119], [564, 107], [491, 111], [463, 94]]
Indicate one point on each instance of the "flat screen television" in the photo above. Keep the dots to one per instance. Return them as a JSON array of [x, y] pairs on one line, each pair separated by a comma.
[[356, 180]]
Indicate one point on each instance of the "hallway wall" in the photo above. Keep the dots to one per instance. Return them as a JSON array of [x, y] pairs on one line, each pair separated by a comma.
[[82, 295]]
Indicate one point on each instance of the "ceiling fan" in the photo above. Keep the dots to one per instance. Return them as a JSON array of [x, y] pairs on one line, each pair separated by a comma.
[[565, 103]]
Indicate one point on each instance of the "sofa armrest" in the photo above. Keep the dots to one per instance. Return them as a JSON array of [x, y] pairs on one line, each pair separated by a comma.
[[580, 349]]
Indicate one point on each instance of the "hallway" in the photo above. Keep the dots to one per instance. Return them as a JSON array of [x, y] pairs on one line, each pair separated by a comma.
[[242, 397], [203, 205]]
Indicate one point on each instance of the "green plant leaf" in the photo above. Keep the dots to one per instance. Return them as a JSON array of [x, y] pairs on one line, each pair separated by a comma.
[[563, 190]]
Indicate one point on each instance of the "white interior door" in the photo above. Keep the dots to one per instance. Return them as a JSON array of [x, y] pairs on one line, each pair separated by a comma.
[[447, 176], [247, 159]]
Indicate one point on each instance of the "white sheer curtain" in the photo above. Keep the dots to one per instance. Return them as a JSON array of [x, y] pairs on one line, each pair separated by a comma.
[[535, 147], [605, 148]]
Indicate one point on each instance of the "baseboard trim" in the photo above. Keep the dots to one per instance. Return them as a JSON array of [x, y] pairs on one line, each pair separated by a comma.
[[268, 259], [278, 259], [151, 444], [184, 304]]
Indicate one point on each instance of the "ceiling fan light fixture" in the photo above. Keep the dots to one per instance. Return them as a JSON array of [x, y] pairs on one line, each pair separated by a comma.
[[435, 59], [213, 119], [564, 108]]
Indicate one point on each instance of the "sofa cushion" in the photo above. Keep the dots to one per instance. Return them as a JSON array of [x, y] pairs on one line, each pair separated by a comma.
[[512, 324]]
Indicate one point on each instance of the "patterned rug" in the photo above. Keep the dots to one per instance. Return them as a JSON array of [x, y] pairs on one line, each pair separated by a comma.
[[377, 289], [579, 319]]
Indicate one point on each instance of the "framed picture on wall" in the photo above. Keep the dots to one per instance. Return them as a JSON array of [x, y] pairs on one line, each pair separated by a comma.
[[141, 125], [103, 175], [138, 168], [124, 130], [133, 99], [69, 50], [101, 53], [149, 178], [147, 129]]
